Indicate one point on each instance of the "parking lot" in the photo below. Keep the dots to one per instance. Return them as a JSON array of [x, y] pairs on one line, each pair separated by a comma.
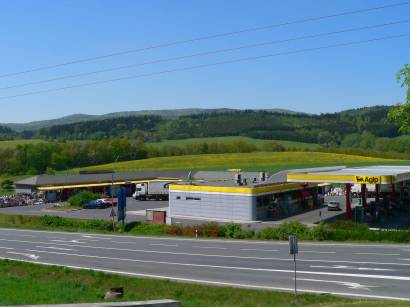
[[135, 210]]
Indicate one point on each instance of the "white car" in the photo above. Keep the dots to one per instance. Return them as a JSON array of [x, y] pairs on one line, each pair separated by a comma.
[[333, 206]]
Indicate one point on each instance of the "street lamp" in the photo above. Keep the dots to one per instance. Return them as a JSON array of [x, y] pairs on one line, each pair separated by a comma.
[[112, 214]]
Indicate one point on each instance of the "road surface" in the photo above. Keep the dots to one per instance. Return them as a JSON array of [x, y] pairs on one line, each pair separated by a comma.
[[355, 270]]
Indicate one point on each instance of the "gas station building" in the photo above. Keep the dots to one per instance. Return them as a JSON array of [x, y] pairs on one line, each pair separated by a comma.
[[391, 182]]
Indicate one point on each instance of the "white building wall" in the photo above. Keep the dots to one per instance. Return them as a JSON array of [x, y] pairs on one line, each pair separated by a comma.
[[212, 205]]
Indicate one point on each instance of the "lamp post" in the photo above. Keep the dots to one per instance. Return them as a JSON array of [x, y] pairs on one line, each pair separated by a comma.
[[112, 214]]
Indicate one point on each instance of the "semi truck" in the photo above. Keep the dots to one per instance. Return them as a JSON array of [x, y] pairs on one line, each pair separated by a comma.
[[155, 190]]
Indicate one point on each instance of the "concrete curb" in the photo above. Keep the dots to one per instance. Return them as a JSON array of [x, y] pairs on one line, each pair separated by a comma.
[[154, 303]]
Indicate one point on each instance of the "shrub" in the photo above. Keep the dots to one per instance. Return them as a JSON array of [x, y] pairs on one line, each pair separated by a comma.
[[268, 233], [7, 185], [210, 230], [293, 228], [319, 232], [235, 231], [83, 197], [174, 230]]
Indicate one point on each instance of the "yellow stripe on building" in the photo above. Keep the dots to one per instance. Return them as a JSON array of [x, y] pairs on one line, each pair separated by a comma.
[[236, 190], [100, 184], [334, 178]]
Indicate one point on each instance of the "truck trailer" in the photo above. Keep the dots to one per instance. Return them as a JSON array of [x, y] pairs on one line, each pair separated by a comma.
[[155, 190]]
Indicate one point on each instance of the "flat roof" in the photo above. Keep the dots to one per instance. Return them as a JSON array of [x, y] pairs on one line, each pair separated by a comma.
[[65, 181], [70, 181], [380, 174], [250, 190]]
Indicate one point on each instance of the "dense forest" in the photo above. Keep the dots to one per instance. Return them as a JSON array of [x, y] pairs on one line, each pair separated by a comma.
[[322, 129]]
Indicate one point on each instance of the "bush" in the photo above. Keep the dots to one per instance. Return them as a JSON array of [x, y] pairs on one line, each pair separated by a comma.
[[268, 233], [235, 231], [83, 197], [7, 185], [319, 233], [210, 230], [293, 228]]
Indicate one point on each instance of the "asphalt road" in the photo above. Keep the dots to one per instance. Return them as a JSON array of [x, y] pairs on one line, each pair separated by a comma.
[[356, 270]]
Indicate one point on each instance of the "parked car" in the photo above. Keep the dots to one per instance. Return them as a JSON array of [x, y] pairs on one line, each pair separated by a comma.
[[95, 204], [109, 201], [333, 206]]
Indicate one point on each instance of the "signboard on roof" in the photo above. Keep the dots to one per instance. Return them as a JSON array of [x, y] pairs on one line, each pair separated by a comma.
[[368, 179]]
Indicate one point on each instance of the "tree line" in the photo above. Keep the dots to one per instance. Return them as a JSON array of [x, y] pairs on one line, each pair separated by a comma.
[[328, 129], [49, 157]]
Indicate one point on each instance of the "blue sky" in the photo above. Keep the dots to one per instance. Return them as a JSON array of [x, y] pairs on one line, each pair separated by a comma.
[[40, 33]]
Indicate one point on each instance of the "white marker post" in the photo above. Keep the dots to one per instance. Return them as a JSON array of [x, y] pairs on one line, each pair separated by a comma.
[[293, 250]]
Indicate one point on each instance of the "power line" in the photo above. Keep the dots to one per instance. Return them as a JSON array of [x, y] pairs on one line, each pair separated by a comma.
[[201, 38], [208, 65], [349, 30]]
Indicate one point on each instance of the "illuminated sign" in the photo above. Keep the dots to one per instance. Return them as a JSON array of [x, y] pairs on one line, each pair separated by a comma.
[[368, 179], [235, 170]]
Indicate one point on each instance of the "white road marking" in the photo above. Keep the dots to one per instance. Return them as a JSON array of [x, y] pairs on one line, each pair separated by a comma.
[[259, 250], [406, 278], [57, 248], [316, 252], [212, 255], [6, 247], [377, 254], [350, 285], [211, 247], [254, 242], [70, 241], [95, 237], [161, 244], [220, 283], [348, 267], [31, 256]]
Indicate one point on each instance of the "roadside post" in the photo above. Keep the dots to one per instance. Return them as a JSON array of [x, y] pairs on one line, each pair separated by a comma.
[[122, 204], [113, 215], [293, 250]]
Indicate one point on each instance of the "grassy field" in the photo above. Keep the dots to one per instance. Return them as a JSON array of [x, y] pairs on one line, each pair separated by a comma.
[[26, 283], [267, 161], [230, 139], [14, 143]]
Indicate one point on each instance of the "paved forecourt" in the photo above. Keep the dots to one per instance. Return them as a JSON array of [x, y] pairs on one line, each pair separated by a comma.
[[360, 270]]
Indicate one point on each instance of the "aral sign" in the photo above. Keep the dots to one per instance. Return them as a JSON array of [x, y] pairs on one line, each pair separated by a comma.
[[368, 179]]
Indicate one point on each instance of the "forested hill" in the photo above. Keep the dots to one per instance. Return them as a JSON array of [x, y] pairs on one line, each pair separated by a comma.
[[76, 118], [324, 128], [6, 133]]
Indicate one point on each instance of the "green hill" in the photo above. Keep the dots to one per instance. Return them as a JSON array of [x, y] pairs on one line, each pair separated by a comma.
[[267, 161]]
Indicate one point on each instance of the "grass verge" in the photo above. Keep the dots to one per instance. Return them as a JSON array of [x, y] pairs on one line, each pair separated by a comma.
[[338, 231], [26, 283]]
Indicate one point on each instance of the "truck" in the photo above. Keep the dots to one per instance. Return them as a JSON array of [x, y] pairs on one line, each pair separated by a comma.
[[154, 190]]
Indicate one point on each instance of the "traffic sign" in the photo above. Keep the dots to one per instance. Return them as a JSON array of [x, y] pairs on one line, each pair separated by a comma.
[[293, 245]]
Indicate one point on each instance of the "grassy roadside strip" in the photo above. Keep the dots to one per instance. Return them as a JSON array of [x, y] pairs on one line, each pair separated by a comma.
[[26, 283], [338, 231]]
